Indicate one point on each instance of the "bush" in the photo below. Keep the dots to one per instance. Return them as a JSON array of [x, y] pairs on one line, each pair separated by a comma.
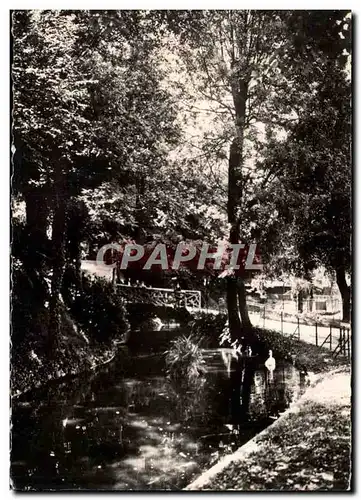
[[265, 340], [261, 341], [211, 331], [208, 328], [305, 356], [184, 360], [96, 309], [29, 317], [99, 310]]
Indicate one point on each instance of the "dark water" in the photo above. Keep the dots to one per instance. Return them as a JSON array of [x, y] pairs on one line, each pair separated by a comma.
[[128, 427]]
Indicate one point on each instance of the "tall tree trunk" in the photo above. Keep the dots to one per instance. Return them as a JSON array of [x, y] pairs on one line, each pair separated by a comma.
[[78, 273], [58, 268], [36, 210], [300, 301], [35, 253], [236, 294], [37, 214], [242, 301], [345, 293], [232, 287], [233, 197]]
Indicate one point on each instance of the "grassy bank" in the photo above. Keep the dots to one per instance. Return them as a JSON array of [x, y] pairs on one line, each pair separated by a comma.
[[212, 331], [307, 449], [75, 352], [90, 320], [40, 371], [305, 356]]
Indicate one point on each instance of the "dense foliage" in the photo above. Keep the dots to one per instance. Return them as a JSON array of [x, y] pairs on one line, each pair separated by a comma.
[[167, 126], [98, 310], [208, 329]]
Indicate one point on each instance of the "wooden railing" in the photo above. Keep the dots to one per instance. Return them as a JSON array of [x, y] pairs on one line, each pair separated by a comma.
[[161, 296]]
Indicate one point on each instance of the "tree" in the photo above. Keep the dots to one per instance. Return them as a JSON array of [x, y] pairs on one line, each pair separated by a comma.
[[232, 61], [88, 107], [311, 189], [316, 184], [253, 72], [47, 124]]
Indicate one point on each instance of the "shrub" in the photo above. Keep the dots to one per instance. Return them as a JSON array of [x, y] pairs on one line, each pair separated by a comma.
[[262, 340], [208, 328], [265, 340], [99, 310], [184, 360], [29, 317]]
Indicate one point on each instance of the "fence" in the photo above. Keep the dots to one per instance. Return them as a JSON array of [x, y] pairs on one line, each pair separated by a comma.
[[334, 336], [338, 340]]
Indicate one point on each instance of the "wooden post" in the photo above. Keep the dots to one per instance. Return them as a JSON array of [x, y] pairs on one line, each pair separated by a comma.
[[347, 342], [281, 321], [298, 327], [316, 335], [264, 316], [330, 338]]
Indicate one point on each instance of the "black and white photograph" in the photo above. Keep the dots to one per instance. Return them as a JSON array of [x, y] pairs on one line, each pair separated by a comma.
[[181, 235]]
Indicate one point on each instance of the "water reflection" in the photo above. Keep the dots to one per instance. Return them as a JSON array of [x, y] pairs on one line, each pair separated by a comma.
[[129, 427]]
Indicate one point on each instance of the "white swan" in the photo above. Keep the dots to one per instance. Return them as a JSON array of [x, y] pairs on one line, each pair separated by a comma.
[[158, 324], [270, 363]]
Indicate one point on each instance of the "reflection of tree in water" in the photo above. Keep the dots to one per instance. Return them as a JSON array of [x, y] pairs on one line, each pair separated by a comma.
[[258, 394], [62, 432], [189, 399], [280, 388], [241, 378], [39, 436], [105, 430], [276, 397], [90, 432]]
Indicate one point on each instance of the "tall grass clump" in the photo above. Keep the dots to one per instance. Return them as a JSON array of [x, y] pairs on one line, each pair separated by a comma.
[[184, 360]]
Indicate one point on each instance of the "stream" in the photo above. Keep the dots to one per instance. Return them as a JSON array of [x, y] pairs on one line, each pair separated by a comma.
[[128, 427]]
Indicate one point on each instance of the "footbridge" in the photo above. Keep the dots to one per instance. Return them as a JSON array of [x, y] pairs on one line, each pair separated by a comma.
[[191, 299]]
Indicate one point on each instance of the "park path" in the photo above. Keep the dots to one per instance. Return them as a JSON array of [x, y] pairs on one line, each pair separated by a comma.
[[307, 333]]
